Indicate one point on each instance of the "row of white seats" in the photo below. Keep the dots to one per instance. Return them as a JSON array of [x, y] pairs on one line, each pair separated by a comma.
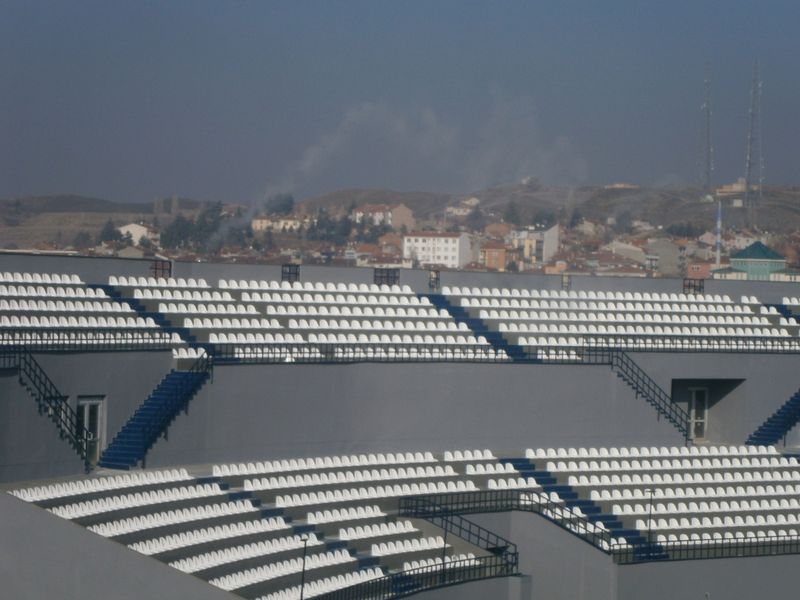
[[435, 564], [193, 295], [721, 539], [318, 286], [396, 338], [157, 282], [435, 353], [255, 338], [468, 455], [640, 308], [193, 537], [82, 322], [406, 546], [587, 295], [319, 587], [231, 323], [711, 491], [339, 477], [361, 532], [490, 469], [146, 498], [713, 506], [338, 515], [643, 330], [207, 309], [628, 479], [310, 310], [40, 291], [652, 451], [373, 492], [727, 522], [322, 462], [793, 301], [38, 278], [673, 464], [338, 299], [100, 484], [640, 342], [172, 517], [560, 355], [207, 560], [512, 483], [187, 353], [280, 569], [90, 306], [357, 324], [533, 316]]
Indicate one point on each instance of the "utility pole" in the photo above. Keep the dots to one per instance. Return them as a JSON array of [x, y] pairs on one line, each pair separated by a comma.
[[304, 537], [708, 149], [754, 161]]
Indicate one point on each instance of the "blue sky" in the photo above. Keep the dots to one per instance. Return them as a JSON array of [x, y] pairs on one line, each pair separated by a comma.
[[234, 100]]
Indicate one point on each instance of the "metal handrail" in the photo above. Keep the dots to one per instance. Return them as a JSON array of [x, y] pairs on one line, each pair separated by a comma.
[[154, 426], [48, 398], [413, 581]]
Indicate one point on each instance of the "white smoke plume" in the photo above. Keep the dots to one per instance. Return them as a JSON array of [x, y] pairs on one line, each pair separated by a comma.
[[377, 145]]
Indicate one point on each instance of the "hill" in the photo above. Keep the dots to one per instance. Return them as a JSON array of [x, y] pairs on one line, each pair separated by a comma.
[[424, 204]]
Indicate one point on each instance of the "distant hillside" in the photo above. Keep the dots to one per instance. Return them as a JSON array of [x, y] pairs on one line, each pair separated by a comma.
[[423, 204], [663, 206], [68, 203]]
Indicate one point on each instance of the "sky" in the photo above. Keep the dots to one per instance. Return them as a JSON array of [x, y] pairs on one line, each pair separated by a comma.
[[237, 100]]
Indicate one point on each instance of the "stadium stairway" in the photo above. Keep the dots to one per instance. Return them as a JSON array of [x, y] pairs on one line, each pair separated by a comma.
[[478, 327], [157, 317], [572, 500], [153, 417], [783, 310], [775, 428]]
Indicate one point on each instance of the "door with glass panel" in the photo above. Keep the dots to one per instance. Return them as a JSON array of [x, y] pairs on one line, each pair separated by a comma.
[[698, 412], [91, 416]]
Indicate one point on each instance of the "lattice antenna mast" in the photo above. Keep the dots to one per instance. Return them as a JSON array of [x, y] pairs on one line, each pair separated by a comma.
[[708, 150], [754, 180]]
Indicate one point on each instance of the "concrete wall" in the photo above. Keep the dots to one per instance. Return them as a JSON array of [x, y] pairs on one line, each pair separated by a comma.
[[306, 410], [718, 579], [754, 386], [258, 411], [45, 557], [30, 447], [554, 564]]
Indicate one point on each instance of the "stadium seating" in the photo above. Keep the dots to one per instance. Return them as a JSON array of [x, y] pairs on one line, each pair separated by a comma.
[[540, 318]]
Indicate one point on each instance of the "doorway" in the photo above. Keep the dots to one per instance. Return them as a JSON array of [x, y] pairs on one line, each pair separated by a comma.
[[698, 412], [91, 416]]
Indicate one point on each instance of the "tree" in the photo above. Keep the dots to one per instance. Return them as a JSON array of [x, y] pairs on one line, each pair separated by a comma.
[[145, 243], [544, 217], [279, 204], [177, 234], [109, 233], [511, 214], [624, 222], [82, 240], [575, 219], [475, 219]]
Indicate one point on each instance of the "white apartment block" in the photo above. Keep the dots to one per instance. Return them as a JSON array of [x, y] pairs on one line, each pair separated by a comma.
[[451, 250]]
